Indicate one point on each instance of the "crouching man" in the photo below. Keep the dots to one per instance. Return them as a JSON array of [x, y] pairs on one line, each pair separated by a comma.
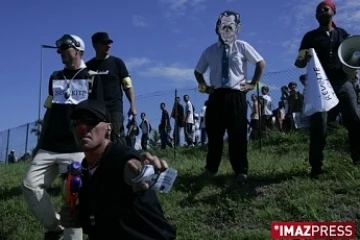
[[109, 205]]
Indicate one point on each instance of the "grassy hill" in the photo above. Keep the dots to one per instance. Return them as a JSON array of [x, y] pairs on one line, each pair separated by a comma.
[[217, 208]]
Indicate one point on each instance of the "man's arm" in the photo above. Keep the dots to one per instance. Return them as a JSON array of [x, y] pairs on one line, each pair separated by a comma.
[[201, 68], [148, 127], [126, 83], [254, 57], [302, 58]]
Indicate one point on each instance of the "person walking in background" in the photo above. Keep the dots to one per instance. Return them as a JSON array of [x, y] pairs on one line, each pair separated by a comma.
[[11, 157], [202, 123], [165, 128], [196, 130], [227, 107], [132, 132], [326, 40], [145, 129], [115, 81], [254, 117], [280, 115], [177, 114], [189, 121], [267, 109], [57, 146]]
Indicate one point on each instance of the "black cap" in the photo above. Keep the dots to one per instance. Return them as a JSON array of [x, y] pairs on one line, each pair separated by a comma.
[[95, 107], [101, 37]]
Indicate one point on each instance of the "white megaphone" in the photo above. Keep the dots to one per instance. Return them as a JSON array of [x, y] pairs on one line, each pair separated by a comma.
[[349, 55]]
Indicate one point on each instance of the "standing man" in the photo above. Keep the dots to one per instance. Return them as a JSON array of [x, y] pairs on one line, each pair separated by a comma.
[[189, 121], [57, 146], [145, 129], [227, 106], [115, 82], [165, 128], [177, 114], [326, 40]]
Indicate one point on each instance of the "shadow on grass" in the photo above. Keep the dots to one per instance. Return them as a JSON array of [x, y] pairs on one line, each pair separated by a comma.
[[9, 193], [230, 189]]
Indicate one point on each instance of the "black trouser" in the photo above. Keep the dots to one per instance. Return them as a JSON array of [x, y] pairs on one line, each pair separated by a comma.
[[318, 126], [118, 132], [203, 136], [227, 110], [255, 129], [144, 141]]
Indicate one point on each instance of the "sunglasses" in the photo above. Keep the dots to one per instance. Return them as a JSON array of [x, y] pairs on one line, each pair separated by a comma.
[[86, 121]]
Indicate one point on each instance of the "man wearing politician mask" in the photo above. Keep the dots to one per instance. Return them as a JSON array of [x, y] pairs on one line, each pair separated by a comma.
[[227, 107], [326, 40]]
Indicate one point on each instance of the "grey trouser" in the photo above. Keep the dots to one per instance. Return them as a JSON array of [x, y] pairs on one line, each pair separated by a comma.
[[348, 107]]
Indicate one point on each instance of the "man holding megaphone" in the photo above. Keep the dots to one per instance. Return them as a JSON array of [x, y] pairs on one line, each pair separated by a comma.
[[326, 40]]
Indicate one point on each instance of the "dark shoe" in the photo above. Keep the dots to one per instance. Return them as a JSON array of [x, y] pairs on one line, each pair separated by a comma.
[[356, 163], [315, 173], [54, 235], [241, 178], [208, 173]]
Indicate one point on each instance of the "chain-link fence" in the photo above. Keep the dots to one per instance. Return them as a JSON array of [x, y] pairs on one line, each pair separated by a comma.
[[23, 139]]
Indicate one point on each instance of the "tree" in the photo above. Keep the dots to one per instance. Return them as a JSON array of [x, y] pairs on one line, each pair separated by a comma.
[[154, 141], [38, 127]]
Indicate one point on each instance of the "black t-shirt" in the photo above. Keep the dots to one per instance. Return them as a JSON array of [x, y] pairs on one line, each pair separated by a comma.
[[112, 81], [165, 121], [118, 212], [58, 137], [326, 48]]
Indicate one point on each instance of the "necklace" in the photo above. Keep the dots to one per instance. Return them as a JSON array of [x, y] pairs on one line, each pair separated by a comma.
[[67, 93], [94, 165]]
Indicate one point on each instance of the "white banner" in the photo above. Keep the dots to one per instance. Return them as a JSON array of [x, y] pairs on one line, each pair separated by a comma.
[[320, 95], [70, 91]]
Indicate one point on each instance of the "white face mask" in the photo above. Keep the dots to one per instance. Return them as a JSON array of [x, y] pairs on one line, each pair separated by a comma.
[[228, 29]]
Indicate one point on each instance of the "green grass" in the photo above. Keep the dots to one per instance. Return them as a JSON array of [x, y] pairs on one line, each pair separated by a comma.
[[218, 208]]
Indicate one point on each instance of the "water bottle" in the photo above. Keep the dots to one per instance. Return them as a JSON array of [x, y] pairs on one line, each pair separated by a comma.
[[75, 169], [73, 184]]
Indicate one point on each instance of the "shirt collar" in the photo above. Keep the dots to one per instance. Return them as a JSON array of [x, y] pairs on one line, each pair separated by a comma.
[[219, 44]]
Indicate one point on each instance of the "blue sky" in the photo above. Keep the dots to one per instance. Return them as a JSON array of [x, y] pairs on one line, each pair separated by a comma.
[[159, 40]]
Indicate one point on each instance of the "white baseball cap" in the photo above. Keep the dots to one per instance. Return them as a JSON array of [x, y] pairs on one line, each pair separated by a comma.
[[70, 39]]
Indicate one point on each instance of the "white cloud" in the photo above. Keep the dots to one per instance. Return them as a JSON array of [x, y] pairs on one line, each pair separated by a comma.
[[180, 6], [170, 72], [299, 17], [151, 68], [133, 63], [139, 21]]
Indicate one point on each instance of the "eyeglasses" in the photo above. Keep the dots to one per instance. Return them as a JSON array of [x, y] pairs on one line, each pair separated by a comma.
[[65, 40], [86, 121]]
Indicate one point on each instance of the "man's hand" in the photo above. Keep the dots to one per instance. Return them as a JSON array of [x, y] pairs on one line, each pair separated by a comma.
[[133, 168], [308, 56], [132, 111], [246, 87], [69, 219]]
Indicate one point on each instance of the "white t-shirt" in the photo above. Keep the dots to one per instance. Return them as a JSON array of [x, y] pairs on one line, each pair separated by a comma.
[[197, 129], [268, 107], [203, 115], [189, 111]]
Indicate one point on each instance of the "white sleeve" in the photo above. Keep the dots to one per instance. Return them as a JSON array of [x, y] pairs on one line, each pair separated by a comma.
[[251, 54], [189, 107], [203, 64], [202, 113]]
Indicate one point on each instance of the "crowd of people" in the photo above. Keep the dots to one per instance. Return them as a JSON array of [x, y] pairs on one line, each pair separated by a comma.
[[84, 119]]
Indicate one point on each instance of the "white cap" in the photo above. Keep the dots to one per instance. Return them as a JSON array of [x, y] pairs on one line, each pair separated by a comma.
[[81, 46]]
